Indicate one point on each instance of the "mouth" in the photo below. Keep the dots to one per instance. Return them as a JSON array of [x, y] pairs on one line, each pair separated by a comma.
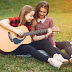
[[41, 15], [29, 20]]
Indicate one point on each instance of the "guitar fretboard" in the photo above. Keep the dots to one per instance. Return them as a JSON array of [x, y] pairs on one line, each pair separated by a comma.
[[35, 32]]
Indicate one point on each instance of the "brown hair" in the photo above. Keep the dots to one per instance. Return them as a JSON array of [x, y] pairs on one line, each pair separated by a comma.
[[43, 4], [24, 11]]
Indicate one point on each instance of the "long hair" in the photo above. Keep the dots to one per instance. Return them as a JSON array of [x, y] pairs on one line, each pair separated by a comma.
[[24, 11], [43, 4]]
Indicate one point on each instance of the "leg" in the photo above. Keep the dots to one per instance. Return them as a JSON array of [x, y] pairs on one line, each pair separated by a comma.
[[65, 45], [27, 49], [60, 52], [44, 45]]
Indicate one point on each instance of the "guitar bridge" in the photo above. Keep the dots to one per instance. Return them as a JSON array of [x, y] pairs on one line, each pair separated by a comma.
[[10, 37]]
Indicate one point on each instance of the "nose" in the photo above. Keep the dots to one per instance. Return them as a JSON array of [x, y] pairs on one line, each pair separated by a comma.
[[41, 13]]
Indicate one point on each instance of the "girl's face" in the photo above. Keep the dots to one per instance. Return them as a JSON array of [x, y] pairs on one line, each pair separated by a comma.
[[29, 16], [42, 13]]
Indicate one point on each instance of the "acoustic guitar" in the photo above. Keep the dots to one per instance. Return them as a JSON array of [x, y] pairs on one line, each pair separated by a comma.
[[9, 41]]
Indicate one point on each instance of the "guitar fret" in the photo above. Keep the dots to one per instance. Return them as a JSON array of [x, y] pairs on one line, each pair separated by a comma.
[[35, 32]]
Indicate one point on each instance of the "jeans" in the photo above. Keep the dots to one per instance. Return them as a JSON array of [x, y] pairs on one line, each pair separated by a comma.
[[27, 49], [48, 48], [65, 45]]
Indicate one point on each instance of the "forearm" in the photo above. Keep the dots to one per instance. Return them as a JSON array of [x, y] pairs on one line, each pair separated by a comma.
[[5, 24], [36, 38]]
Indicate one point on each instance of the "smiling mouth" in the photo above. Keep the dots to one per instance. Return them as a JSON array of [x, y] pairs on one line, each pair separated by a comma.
[[30, 20], [41, 15]]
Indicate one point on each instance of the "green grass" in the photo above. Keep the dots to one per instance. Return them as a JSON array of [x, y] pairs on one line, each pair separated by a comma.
[[64, 22], [10, 63], [60, 11]]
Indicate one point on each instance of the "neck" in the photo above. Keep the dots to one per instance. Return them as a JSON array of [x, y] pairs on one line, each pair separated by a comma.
[[42, 18]]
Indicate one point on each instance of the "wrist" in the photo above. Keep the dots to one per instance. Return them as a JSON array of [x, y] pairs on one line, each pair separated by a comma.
[[15, 30], [46, 36]]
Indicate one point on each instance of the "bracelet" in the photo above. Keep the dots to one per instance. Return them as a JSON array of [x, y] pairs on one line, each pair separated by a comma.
[[45, 36]]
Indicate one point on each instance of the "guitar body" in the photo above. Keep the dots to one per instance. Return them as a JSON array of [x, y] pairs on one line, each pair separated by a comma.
[[5, 43]]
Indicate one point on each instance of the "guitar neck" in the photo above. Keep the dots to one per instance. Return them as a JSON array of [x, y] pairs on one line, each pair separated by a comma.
[[39, 31], [35, 32]]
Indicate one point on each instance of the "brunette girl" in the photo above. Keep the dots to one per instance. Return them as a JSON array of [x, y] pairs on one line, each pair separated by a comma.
[[42, 21]]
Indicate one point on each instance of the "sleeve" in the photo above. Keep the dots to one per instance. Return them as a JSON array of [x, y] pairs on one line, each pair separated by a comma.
[[50, 37], [50, 26], [14, 21], [51, 23], [32, 29]]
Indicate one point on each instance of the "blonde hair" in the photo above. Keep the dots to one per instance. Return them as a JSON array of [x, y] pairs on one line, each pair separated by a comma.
[[24, 11]]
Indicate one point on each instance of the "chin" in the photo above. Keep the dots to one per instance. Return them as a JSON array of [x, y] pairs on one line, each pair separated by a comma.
[[29, 21]]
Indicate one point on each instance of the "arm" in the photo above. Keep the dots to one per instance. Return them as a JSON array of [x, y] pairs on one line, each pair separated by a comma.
[[35, 37], [51, 38], [52, 26], [6, 24]]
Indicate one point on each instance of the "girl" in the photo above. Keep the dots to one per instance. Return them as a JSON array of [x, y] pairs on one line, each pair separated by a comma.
[[42, 21], [25, 17]]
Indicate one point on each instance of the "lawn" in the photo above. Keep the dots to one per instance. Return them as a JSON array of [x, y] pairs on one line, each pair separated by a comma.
[[62, 17]]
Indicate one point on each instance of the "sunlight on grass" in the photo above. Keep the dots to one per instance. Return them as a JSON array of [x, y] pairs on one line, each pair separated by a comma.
[[64, 22]]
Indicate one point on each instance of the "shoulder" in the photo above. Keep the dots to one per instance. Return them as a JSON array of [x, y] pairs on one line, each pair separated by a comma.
[[14, 18], [49, 18]]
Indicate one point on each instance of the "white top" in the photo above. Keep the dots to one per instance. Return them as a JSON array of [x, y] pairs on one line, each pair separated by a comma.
[[42, 20]]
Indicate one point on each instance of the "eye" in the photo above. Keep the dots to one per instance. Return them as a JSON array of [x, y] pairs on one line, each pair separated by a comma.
[[40, 11], [31, 15], [44, 12]]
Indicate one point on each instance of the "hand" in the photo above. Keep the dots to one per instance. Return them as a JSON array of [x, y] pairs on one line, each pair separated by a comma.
[[49, 32], [54, 45], [19, 32], [55, 29]]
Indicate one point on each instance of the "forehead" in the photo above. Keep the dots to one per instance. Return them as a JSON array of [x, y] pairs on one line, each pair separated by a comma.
[[43, 9], [31, 13]]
